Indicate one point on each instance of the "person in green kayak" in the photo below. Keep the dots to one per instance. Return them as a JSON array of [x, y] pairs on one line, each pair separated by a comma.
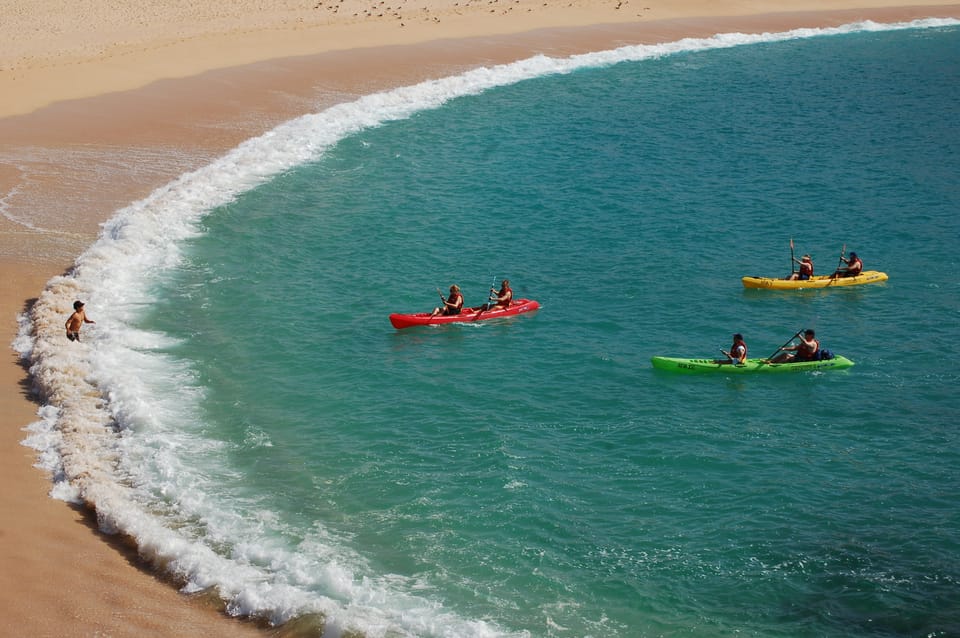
[[452, 305], [807, 349], [738, 351], [853, 266]]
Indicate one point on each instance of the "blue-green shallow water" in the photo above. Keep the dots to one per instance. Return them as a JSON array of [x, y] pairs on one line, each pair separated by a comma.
[[536, 476], [537, 471]]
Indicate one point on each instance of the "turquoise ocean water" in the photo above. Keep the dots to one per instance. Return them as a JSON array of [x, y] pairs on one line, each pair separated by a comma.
[[253, 420]]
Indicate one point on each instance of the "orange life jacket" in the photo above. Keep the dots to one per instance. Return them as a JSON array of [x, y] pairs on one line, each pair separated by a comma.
[[806, 352], [734, 354]]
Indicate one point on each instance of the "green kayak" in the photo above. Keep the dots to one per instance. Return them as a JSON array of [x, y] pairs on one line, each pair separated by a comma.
[[675, 364]]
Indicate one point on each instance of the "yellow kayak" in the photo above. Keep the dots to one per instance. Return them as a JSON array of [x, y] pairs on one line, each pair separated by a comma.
[[817, 281]]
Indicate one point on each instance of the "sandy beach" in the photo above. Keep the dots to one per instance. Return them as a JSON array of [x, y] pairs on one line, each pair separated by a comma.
[[174, 85]]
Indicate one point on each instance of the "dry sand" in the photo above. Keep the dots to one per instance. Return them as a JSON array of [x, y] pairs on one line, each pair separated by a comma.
[[86, 86]]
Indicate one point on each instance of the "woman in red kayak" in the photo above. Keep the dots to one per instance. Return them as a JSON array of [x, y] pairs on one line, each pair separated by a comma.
[[452, 305]]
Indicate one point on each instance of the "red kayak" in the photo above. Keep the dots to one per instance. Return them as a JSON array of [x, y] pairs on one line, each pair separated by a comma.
[[517, 307]]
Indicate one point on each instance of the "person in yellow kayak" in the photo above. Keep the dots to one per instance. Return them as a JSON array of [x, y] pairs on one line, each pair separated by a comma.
[[452, 305], [853, 266], [738, 351], [806, 269]]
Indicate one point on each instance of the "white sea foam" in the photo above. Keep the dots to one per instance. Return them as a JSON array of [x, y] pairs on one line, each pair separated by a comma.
[[119, 428]]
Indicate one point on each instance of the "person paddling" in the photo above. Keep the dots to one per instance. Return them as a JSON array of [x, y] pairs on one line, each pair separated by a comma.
[[503, 297], [806, 269], [806, 350], [452, 305], [853, 266], [738, 351]]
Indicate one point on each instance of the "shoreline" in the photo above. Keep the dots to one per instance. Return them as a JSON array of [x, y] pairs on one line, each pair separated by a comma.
[[66, 168]]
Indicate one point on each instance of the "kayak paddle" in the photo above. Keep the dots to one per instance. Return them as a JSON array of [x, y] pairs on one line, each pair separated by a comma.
[[784, 345], [843, 251], [793, 268]]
